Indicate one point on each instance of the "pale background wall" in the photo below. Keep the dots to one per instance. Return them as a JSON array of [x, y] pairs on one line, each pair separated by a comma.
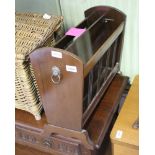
[[43, 6], [72, 11]]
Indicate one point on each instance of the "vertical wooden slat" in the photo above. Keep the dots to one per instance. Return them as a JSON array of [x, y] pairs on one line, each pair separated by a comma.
[[73, 12]]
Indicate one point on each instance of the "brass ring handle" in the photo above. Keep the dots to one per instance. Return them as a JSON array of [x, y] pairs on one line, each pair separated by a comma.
[[56, 75], [56, 79]]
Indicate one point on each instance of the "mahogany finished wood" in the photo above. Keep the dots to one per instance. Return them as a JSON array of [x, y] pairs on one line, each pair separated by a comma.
[[95, 57], [79, 88], [97, 126]]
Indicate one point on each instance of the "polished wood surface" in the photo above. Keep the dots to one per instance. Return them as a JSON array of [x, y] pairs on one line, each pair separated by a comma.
[[98, 125], [96, 56], [129, 141], [64, 98], [102, 117], [23, 117], [25, 150], [79, 103]]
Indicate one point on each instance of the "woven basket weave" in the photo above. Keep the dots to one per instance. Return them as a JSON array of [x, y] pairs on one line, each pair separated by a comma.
[[31, 31]]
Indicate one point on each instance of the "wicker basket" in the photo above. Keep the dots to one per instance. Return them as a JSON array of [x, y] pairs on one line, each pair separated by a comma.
[[31, 31]]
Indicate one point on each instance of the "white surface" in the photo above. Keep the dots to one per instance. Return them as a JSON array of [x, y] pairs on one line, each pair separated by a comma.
[[71, 68], [119, 134], [56, 54]]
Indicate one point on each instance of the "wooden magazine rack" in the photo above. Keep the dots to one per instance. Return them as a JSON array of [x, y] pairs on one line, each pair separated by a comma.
[[76, 81]]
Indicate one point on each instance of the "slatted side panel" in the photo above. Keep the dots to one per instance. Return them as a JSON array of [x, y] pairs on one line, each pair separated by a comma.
[[73, 14], [98, 75]]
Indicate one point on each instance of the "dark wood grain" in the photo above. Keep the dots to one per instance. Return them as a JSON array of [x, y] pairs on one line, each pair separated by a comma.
[[24, 117], [62, 102], [25, 150], [100, 120], [95, 54], [98, 125], [76, 121]]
